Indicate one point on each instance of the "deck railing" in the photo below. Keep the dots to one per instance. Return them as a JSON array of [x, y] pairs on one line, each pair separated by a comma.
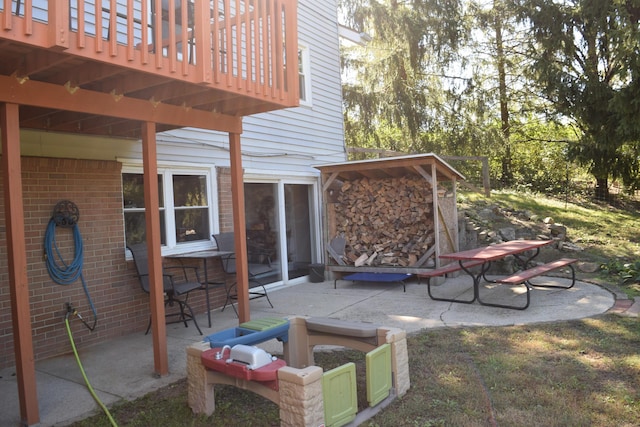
[[245, 46]]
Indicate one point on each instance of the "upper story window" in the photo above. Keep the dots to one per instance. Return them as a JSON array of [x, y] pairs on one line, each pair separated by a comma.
[[185, 206], [304, 75]]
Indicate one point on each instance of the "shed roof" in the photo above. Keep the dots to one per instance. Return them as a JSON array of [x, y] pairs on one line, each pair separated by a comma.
[[390, 167]]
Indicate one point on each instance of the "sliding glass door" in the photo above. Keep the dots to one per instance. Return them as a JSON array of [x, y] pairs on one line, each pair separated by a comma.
[[281, 228], [263, 231], [297, 207]]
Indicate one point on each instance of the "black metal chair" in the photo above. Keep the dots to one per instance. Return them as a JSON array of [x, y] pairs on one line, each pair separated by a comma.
[[336, 249], [257, 271], [175, 285]]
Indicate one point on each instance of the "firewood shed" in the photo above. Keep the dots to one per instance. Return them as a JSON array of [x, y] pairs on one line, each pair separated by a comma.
[[396, 214]]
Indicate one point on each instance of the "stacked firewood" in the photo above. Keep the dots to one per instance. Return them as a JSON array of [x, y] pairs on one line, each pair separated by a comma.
[[386, 222]]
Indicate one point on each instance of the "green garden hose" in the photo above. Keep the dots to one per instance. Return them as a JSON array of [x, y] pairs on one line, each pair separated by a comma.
[[84, 375]]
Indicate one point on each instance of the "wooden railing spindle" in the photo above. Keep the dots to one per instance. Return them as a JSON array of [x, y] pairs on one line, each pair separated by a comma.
[[266, 68], [7, 17], [28, 17], [113, 27], [98, 19], [157, 32], [130, 32], [80, 36]]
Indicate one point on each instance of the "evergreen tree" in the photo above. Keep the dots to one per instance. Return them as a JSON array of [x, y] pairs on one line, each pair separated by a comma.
[[394, 91], [586, 62]]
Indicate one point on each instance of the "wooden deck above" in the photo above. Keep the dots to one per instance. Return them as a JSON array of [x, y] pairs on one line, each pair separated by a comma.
[[102, 66]]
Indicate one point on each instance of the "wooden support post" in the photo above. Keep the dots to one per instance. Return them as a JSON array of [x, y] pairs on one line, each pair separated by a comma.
[[58, 25], [7, 21], [203, 45], [456, 238], [436, 209], [486, 182], [17, 262], [239, 227], [152, 218]]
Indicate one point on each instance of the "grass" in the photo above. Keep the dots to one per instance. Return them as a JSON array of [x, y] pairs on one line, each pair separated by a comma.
[[604, 231], [563, 374], [577, 373]]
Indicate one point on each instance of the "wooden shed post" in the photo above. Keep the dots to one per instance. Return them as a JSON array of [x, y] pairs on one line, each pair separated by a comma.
[[456, 233], [17, 262], [436, 210]]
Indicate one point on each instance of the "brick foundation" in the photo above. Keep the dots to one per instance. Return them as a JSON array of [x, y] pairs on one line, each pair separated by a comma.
[[122, 307]]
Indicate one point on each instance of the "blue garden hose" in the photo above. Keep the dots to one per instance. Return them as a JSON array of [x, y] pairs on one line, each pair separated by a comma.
[[63, 273]]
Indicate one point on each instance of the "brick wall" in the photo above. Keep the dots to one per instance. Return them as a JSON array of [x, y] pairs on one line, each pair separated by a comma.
[[122, 306]]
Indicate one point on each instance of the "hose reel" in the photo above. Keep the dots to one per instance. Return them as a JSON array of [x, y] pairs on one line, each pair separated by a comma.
[[65, 214]]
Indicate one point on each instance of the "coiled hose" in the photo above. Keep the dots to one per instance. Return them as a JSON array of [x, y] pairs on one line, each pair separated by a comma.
[[63, 273]]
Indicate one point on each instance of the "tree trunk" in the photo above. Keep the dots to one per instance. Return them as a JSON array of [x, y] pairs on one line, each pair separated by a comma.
[[602, 189], [507, 172]]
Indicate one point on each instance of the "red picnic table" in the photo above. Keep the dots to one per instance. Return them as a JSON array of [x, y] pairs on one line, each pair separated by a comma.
[[483, 257]]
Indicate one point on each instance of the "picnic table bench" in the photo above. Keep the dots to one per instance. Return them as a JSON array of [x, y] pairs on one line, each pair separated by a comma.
[[525, 275], [483, 257]]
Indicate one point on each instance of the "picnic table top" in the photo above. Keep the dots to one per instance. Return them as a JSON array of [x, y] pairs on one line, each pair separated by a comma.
[[500, 250]]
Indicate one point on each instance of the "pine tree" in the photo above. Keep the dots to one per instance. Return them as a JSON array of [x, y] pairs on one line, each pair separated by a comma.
[[586, 64], [395, 92]]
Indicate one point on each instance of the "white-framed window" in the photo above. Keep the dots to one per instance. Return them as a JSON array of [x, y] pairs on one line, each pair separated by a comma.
[[304, 75], [187, 204]]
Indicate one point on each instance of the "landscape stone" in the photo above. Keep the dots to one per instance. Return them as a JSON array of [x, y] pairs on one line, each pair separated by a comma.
[[508, 233], [588, 267]]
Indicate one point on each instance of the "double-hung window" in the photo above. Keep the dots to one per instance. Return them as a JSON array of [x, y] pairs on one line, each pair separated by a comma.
[[185, 197], [304, 75]]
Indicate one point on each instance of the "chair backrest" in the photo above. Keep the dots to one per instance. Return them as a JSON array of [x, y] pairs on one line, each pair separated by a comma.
[[336, 249], [226, 243], [141, 260]]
